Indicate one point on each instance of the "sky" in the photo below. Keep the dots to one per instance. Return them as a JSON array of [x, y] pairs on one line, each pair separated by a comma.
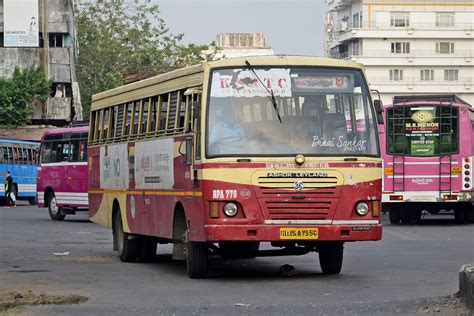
[[291, 27]]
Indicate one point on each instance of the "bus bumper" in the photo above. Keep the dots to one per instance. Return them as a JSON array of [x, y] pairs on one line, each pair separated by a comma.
[[216, 233]]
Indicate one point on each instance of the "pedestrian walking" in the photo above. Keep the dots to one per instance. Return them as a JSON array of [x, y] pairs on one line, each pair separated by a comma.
[[9, 190]]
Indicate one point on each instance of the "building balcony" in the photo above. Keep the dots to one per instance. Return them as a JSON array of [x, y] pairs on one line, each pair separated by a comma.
[[463, 83], [414, 58], [344, 31]]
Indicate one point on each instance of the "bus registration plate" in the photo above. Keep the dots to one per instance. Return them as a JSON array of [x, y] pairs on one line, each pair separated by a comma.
[[299, 233]]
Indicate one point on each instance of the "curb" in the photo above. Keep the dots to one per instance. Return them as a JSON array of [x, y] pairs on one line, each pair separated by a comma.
[[466, 284]]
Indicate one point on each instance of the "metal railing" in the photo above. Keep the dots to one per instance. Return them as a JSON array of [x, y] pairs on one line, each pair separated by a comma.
[[348, 26]]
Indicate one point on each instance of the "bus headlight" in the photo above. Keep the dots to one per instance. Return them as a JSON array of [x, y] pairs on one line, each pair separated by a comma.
[[362, 208], [230, 209]]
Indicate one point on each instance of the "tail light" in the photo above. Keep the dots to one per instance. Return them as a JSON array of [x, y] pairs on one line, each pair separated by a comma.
[[467, 173]]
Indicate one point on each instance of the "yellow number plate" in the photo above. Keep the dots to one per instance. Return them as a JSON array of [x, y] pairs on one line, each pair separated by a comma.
[[455, 170], [299, 233]]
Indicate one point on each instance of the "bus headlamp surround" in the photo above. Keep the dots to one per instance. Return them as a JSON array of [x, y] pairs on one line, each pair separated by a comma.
[[362, 208], [230, 209]]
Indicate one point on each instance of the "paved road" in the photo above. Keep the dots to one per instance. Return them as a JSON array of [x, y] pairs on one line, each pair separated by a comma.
[[392, 276]]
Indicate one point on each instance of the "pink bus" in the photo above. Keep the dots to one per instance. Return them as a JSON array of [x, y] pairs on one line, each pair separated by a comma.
[[61, 184], [428, 146]]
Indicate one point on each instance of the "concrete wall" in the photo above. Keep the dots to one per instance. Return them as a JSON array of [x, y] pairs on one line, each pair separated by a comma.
[[58, 62]]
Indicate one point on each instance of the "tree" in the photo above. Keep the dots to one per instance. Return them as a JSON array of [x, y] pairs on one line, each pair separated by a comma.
[[17, 94], [119, 39]]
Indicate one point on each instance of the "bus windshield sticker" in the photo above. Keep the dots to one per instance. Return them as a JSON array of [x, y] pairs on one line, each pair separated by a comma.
[[354, 145], [323, 83], [243, 83]]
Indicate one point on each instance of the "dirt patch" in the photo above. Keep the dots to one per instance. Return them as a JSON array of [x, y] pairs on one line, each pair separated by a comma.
[[447, 305], [84, 258], [15, 299]]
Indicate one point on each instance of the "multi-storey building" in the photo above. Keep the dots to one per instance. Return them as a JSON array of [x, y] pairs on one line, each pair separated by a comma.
[[42, 33], [408, 47], [234, 45]]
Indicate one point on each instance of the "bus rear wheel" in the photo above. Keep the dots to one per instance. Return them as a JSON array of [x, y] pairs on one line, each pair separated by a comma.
[[127, 247], [394, 215], [55, 211], [147, 250], [330, 257], [196, 259], [460, 214]]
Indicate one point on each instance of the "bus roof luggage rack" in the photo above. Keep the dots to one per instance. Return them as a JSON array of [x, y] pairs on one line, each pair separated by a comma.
[[438, 98]]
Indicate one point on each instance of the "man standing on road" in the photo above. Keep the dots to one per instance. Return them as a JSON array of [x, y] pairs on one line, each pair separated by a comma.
[[9, 190]]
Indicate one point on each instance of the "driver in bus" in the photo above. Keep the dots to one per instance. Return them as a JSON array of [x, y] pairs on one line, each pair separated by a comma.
[[226, 129], [312, 114]]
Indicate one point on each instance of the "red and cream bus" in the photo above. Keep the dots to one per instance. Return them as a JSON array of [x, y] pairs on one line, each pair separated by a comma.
[[219, 157]]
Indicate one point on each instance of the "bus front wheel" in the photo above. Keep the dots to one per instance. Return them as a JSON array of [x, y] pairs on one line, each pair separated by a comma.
[[55, 211], [330, 257], [196, 259], [127, 247]]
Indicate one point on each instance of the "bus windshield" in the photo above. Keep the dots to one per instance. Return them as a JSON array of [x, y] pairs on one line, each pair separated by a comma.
[[324, 112]]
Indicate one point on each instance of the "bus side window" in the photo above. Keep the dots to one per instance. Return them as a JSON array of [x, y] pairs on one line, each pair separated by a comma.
[[173, 111], [128, 121], [92, 127], [83, 150], [164, 112], [2, 154], [153, 114], [119, 122], [10, 155], [105, 124], [25, 156], [113, 121], [181, 112], [29, 157], [136, 118], [15, 156], [144, 116], [45, 154]]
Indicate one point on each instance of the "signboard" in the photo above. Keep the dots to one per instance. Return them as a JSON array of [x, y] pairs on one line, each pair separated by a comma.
[[114, 167], [422, 131], [20, 23], [243, 83], [323, 83], [154, 164]]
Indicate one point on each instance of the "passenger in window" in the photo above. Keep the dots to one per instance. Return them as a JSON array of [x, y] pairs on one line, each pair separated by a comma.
[[226, 129]]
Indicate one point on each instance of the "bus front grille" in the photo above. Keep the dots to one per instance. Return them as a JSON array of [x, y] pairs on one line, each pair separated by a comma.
[[296, 209]]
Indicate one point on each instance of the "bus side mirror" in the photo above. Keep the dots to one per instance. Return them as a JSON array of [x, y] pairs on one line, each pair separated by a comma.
[[379, 111], [188, 142]]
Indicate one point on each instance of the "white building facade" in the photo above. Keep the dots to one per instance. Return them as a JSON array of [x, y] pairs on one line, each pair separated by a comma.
[[408, 47]]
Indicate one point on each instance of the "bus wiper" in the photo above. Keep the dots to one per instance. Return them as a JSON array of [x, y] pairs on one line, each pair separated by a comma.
[[270, 92]]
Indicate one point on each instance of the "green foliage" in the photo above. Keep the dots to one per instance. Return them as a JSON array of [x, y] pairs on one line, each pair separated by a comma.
[[17, 94], [119, 39]]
